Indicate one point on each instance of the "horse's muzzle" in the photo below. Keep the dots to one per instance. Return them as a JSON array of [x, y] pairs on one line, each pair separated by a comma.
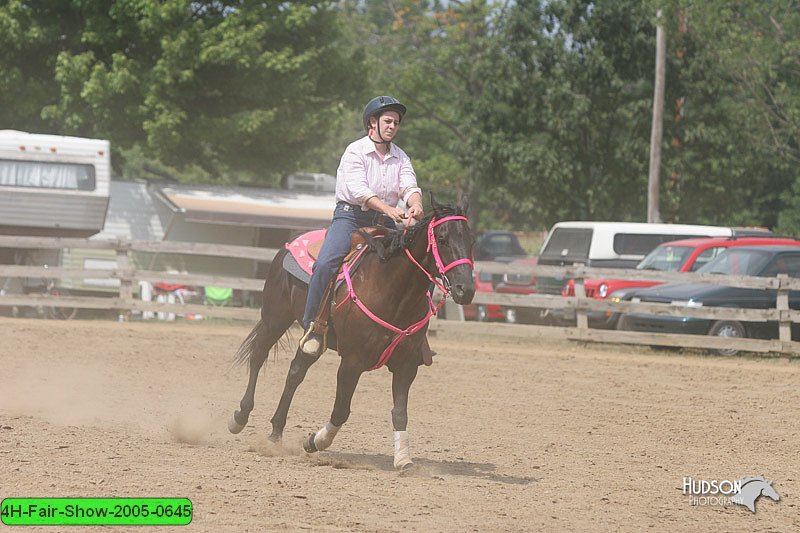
[[462, 293]]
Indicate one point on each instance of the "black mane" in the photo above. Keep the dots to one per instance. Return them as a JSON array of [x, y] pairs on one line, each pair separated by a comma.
[[395, 242]]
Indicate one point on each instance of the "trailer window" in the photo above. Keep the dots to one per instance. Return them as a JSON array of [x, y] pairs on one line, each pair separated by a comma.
[[46, 175]]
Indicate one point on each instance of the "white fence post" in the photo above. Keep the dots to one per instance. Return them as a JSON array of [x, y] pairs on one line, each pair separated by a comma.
[[782, 304], [581, 321], [125, 282]]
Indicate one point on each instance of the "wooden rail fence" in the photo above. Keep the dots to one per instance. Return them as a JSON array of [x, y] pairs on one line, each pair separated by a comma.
[[125, 302]]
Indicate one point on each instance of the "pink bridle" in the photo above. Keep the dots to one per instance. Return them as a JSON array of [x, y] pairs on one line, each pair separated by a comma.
[[432, 309], [433, 247]]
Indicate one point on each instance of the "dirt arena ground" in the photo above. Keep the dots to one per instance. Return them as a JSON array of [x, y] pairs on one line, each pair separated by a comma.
[[508, 435]]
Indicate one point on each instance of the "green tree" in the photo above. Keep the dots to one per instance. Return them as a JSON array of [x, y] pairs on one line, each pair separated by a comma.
[[426, 53], [26, 77], [563, 120], [245, 90], [759, 54], [734, 139]]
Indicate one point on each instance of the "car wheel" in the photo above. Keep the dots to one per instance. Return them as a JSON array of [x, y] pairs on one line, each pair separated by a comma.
[[511, 315], [727, 328], [482, 315]]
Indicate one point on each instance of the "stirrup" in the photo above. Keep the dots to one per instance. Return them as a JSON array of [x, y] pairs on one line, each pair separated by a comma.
[[312, 345]]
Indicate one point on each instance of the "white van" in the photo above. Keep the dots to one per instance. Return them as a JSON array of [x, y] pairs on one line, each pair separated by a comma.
[[615, 244], [310, 182]]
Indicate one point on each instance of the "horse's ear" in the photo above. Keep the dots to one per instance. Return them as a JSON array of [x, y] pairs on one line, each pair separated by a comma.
[[434, 204], [463, 203]]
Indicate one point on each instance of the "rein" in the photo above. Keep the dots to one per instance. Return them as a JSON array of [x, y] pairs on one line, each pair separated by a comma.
[[432, 309]]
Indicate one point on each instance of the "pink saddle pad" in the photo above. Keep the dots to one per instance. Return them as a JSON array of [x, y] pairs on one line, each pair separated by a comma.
[[305, 247]]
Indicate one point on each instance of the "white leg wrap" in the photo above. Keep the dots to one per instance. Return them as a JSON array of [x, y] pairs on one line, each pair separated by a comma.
[[324, 437], [402, 453]]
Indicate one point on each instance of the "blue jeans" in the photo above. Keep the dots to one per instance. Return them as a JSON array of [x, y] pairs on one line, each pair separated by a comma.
[[346, 220]]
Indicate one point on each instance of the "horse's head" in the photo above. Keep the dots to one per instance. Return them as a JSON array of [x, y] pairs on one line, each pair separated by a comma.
[[752, 487], [450, 241], [769, 491]]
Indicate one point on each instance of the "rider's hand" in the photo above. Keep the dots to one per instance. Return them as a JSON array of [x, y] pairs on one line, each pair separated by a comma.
[[416, 211], [394, 213]]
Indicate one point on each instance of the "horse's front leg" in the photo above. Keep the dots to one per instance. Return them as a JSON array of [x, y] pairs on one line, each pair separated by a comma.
[[402, 378], [350, 370]]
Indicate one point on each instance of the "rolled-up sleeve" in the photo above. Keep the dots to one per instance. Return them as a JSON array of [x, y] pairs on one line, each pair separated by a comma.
[[408, 179]]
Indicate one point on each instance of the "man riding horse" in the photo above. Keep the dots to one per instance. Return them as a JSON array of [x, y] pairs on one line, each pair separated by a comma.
[[384, 305], [373, 175]]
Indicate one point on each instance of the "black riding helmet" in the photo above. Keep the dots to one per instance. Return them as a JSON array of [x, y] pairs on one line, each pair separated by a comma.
[[378, 105]]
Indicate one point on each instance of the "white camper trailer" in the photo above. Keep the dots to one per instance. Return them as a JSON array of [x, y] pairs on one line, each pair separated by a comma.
[[51, 186]]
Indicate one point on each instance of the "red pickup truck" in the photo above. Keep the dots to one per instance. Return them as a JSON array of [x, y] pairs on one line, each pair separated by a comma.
[[686, 255]]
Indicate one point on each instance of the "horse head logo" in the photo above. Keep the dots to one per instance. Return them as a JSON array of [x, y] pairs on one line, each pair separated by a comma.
[[752, 488]]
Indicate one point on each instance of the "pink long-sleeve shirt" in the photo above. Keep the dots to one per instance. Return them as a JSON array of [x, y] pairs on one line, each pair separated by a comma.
[[363, 173]]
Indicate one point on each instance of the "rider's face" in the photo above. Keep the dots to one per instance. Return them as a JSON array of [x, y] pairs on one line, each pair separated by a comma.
[[388, 124]]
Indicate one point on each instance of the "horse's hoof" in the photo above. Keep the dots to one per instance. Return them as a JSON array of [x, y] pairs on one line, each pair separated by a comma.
[[406, 467], [234, 426], [275, 438], [308, 444]]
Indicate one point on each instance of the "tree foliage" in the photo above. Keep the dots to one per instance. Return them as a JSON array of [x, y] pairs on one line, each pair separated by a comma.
[[239, 87], [563, 121], [734, 146], [427, 52], [564, 118], [541, 110]]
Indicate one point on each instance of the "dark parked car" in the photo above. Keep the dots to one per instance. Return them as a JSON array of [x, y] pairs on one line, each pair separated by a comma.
[[686, 255], [763, 261], [500, 246]]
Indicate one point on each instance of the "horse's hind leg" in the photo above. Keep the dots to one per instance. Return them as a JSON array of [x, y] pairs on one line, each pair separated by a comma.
[[347, 377], [297, 373], [256, 348], [402, 378]]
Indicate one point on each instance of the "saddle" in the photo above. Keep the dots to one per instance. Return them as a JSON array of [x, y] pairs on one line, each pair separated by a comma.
[[304, 250]]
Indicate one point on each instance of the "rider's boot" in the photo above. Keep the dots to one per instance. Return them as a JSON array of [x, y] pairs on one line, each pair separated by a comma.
[[313, 341]]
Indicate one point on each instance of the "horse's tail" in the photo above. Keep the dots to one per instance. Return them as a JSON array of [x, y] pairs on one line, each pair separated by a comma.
[[275, 319], [249, 346]]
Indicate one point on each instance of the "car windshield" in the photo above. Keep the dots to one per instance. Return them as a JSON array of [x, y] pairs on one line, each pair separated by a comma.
[[666, 258], [738, 261], [568, 244]]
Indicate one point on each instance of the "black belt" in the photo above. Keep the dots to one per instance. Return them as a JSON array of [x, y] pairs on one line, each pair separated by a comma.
[[378, 217]]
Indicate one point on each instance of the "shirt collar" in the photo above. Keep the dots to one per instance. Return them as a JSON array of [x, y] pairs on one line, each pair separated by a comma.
[[371, 148]]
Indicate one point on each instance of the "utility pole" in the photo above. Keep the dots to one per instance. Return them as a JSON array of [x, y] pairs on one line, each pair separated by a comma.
[[653, 214]]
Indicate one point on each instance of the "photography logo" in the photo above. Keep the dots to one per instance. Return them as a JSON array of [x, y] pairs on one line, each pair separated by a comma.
[[744, 491]]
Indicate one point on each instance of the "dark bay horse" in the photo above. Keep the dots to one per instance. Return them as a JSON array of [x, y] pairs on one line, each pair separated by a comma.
[[391, 284]]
